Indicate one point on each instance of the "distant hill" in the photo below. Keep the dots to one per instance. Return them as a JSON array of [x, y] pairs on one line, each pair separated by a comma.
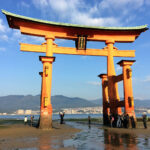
[[12, 103], [138, 103], [97, 102]]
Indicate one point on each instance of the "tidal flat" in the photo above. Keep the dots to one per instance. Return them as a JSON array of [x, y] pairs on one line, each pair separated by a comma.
[[73, 135]]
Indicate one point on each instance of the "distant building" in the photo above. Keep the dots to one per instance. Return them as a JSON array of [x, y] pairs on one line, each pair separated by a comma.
[[20, 112], [28, 112]]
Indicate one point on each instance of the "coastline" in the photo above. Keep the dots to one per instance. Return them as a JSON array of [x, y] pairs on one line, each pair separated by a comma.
[[15, 135], [20, 136]]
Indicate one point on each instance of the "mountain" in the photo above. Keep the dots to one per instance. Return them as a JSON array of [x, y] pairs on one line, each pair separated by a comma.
[[137, 103], [12, 103], [97, 101], [142, 103]]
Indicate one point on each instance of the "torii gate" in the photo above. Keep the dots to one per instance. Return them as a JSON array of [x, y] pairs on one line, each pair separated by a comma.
[[80, 34]]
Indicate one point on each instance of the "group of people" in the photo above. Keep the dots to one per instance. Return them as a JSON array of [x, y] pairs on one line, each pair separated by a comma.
[[26, 120], [123, 121]]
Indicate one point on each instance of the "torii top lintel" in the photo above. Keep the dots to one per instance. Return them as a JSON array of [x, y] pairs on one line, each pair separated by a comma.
[[44, 28]]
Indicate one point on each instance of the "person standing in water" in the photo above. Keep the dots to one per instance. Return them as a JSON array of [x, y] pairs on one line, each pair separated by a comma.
[[89, 121]]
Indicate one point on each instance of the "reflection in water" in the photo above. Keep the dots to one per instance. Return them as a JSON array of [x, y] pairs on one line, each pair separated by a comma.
[[120, 141], [91, 138], [44, 143], [97, 139]]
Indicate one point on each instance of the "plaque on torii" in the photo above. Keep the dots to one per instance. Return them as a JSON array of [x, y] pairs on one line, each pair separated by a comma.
[[81, 35]]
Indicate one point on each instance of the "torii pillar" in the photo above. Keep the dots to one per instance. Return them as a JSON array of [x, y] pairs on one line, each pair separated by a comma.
[[112, 86], [105, 98], [128, 91], [46, 106]]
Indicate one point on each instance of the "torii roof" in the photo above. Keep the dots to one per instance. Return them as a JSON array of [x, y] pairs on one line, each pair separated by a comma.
[[10, 16]]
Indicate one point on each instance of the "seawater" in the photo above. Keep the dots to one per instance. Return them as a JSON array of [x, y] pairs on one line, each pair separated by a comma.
[[56, 116], [97, 138]]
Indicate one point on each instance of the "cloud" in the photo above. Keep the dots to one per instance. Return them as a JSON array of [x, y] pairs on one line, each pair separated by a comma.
[[4, 37], [121, 4], [75, 11], [2, 49], [23, 4], [143, 80], [98, 13], [2, 26], [118, 68], [26, 38], [147, 79], [94, 83]]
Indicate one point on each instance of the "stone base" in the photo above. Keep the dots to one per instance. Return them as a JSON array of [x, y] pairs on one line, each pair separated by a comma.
[[45, 122]]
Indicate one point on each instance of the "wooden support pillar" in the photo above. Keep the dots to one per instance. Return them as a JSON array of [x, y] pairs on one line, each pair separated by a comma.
[[128, 91], [112, 86], [49, 44], [105, 98], [41, 103], [46, 106]]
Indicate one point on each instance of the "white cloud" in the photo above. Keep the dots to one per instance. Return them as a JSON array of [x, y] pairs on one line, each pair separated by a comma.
[[26, 38], [40, 3], [2, 49], [23, 4], [94, 83], [143, 80], [147, 2], [147, 79], [74, 11], [2, 26], [4, 37], [118, 68], [121, 4]]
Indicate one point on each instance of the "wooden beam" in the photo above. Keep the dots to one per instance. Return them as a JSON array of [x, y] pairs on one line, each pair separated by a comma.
[[67, 34], [32, 48], [74, 51], [118, 78], [120, 103], [124, 53]]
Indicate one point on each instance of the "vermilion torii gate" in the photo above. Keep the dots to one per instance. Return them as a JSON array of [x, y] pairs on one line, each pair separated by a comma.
[[81, 34]]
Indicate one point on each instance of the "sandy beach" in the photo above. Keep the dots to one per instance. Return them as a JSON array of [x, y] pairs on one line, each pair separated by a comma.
[[19, 136]]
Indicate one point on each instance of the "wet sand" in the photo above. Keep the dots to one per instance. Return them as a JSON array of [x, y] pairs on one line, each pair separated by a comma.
[[19, 136], [138, 131]]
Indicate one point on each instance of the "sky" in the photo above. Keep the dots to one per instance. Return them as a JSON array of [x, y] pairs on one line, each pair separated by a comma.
[[73, 76]]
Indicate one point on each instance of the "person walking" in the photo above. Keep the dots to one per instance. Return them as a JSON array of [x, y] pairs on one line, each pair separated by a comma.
[[25, 120]]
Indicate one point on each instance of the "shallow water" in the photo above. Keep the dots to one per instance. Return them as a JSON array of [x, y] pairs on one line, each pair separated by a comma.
[[90, 138], [95, 138]]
